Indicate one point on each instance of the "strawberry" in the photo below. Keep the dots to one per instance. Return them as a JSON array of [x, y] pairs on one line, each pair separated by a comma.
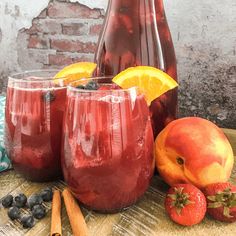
[[185, 204], [221, 201]]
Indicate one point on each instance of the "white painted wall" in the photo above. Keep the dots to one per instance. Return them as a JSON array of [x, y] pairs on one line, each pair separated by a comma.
[[15, 15], [93, 3]]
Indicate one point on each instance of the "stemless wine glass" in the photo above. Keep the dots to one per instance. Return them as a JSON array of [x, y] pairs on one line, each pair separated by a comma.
[[107, 150], [33, 124]]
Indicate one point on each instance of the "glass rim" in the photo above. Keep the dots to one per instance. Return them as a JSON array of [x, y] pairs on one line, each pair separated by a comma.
[[79, 90], [16, 76]]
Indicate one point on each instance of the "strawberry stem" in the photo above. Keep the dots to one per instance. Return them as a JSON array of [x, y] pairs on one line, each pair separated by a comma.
[[225, 199], [180, 199]]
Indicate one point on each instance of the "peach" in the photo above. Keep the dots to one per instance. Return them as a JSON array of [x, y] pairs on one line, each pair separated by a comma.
[[193, 150]]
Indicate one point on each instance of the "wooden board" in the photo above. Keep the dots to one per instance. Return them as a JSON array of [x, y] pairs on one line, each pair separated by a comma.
[[146, 218]]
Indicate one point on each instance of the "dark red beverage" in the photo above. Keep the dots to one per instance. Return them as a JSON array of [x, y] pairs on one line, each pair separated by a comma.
[[33, 125], [136, 33], [107, 157]]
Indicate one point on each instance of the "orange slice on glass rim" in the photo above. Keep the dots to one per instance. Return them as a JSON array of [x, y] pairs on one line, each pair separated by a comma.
[[74, 72], [150, 81]]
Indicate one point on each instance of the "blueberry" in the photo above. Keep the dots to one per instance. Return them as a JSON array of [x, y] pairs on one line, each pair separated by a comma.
[[20, 200], [7, 201], [46, 194], [92, 85], [80, 87], [48, 96], [38, 211], [14, 213], [27, 221], [33, 200]]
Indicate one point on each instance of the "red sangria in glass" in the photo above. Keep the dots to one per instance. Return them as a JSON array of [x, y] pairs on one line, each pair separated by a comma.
[[107, 150], [33, 124]]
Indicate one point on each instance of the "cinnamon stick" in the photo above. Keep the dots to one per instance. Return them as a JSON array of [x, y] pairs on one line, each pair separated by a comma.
[[76, 218], [56, 214]]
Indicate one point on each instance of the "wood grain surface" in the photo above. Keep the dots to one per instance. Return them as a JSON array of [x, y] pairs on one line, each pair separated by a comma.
[[146, 218]]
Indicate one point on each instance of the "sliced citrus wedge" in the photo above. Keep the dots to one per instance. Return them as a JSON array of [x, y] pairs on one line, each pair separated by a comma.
[[75, 71], [150, 81]]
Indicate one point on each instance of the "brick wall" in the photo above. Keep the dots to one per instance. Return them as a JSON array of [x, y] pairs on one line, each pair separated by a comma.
[[63, 33]]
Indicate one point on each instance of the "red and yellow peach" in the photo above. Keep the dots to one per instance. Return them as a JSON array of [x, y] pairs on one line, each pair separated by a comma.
[[193, 150]]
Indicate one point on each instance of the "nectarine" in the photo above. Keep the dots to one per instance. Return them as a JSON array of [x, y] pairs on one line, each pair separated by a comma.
[[193, 150]]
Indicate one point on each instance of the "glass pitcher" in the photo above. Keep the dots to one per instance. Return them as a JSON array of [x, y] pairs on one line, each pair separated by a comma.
[[136, 33]]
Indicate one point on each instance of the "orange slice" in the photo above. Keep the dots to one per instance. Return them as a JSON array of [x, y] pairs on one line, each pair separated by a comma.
[[75, 71], [150, 81]]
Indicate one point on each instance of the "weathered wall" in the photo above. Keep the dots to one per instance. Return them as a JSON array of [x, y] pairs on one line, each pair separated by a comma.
[[204, 34], [63, 33], [16, 16], [42, 34]]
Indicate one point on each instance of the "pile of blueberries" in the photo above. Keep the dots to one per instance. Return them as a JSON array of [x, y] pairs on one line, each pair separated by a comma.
[[33, 203], [91, 85], [49, 96]]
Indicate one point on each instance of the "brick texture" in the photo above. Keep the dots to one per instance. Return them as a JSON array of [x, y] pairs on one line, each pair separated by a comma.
[[95, 29], [75, 29], [37, 41], [63, 33], [58, 9], [73, 46], [59, 60]]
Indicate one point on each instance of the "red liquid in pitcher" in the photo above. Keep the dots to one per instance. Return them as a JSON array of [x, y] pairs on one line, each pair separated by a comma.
[[136, 33], [33, 124], [108, 149]]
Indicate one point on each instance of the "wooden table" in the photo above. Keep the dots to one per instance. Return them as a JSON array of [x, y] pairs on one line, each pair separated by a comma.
[[146, 218]]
